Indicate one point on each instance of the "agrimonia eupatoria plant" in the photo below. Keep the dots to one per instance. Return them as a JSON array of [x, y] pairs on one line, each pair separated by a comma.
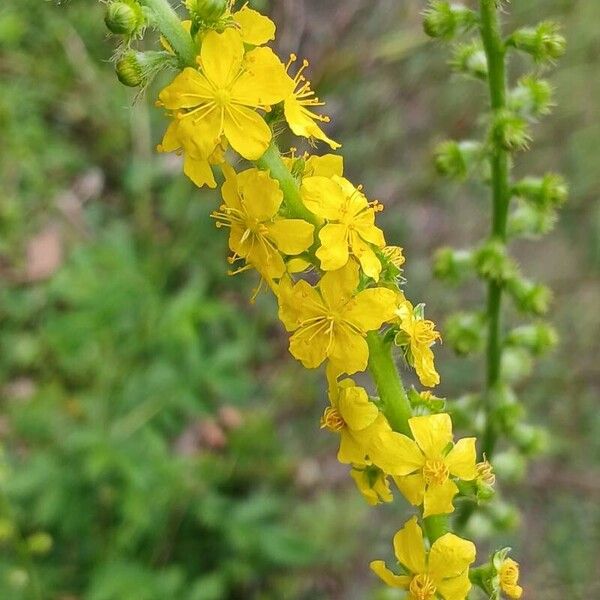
[[524, 208], [311, 236]]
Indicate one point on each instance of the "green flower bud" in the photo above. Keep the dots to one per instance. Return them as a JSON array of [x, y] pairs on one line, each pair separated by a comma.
[[510, 465], [492, 262], [39, 543], [207, 11], [529, 440], [470, 59], [509, 131], [548, 191], [444, 20], [463, 411], [531, 98], [531, 221], [517, 364], [464, 332], [530, 297], [544, 42], [124, 17], [138, 68], [452, 265], [507, 410], [504, 516], [537, 338], [455, 159]]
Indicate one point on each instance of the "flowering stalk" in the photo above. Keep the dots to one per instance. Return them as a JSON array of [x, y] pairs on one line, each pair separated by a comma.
[[525, 208], [311, 236]]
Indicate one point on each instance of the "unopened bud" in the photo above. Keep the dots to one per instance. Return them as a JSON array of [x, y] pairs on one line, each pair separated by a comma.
[[510, 465], [537, 338], [509, 131], [464, 332], [531, 98], [207, 11], [544, 42], [548, 191], [504, 516], [124, 17], [492, 262], [455, 159], [528, 439], [470, 59], [444, 19], [530, 297], [530, 221], [517, 364], [136, 69], [452, 265]]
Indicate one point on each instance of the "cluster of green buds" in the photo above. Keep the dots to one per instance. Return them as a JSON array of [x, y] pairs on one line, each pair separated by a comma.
[[524, 208]]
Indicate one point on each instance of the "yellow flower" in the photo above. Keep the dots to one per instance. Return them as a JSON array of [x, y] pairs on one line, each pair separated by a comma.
[[350, 227], [425, 468], [297, 108], [508, 574], [332, 319], [372, 483], [419, 334], [256, 29], [258, 235], [443, 572], [307, 165], [177, 138], [358, 421], [220, 99]]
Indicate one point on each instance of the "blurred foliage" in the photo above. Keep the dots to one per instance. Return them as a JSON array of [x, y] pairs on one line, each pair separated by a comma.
[[121, 479]]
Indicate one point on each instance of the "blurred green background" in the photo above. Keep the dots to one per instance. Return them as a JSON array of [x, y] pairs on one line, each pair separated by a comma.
[[158, 441]]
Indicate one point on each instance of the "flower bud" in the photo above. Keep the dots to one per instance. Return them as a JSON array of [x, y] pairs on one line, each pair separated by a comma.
[[504, 516], [455, 159], [530, 297], [507, 409], [531, 221], [39, 543], [464, 332], [207, 11], [470, 59], [531, 98], [548, 191], [492, 262], [537, 338], [124, 17], [510, 465], [517, 364], [452, 265], [529, 440], [544, 42], [509, 131], [138, 68], [444, 20]]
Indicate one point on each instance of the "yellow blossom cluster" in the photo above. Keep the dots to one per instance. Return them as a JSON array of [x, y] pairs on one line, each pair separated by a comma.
[[311, 235]]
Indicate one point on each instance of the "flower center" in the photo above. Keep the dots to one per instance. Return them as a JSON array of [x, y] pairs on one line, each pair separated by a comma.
[[332, 420], [509, 576], [435, 471], [424, 333], [222, 97], [421, 588]]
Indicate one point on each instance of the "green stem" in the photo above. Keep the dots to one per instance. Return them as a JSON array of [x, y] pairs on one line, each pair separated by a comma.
[[396, 405], [170, 26], [271, 161], [491, 36]]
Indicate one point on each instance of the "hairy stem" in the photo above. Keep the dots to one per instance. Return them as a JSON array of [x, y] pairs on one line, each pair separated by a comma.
[[491, 36], [169, 24]]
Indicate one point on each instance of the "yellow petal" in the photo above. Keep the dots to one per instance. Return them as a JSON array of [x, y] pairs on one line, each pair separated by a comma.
[[374, 487], [450, 556], [397, 581], [199, 171], [200, 136], [424, 365], [462, 458], [351, 451], [246, 131], [366, 256], [438, 498], [309, 349], [170, 141], [396, 454], [455, 588], [323, 197], [297, 265], [412, 487], [264, 81], [292, 236], [302, 122], [221, 56], [261, 195], [408, 547], [371, 308], [364, 225], [349, 351], [432, 432], [298, 303], [333, 252], [338, 287], [327, 165], [356, 409], [256, 28], [188, 90]]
